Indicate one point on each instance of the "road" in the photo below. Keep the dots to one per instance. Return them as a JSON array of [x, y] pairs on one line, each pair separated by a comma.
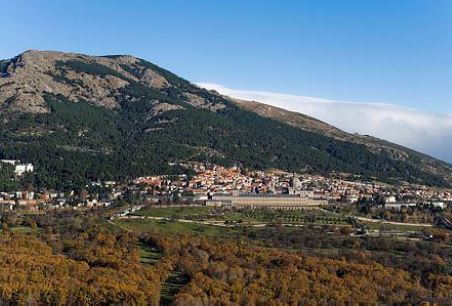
[[219, 223], [364, 219], [391, 222], [120, 226]]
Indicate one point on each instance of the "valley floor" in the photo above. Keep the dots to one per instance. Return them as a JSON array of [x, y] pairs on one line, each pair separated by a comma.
[[195, 255]]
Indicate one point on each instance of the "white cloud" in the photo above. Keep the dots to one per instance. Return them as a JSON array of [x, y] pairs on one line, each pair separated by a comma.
[[426, 132]]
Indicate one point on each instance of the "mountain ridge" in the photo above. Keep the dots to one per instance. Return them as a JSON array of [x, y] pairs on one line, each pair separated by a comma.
[[79, 106], [298, 119]]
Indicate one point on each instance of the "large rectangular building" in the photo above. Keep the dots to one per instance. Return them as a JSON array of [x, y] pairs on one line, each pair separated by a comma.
[[270, 201]]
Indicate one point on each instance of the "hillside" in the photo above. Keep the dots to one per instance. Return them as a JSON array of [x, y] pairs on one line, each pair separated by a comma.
[[374, 144], [80, 118]]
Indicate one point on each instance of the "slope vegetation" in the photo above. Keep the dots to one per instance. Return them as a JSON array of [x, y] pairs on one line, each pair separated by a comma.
[[80, 118]]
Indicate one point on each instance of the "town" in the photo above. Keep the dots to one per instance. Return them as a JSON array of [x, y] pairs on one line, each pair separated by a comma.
[[214, 185]]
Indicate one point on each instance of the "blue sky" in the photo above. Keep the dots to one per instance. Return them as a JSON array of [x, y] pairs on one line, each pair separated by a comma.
[[397, 52]]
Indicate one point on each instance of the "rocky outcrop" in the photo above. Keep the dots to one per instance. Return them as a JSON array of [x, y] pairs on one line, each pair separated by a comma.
[[27, 78]]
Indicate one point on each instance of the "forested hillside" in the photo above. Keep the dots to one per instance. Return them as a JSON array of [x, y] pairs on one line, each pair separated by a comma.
[[79, 118], [73, 259]]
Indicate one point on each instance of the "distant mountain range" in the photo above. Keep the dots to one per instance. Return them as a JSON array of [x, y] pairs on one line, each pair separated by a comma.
[[80, 118]]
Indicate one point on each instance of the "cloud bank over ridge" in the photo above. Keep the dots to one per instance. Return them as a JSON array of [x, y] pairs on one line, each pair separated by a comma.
[[426, 132]]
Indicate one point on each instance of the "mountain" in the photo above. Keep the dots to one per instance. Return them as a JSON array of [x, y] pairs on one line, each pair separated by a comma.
[[79, 118]]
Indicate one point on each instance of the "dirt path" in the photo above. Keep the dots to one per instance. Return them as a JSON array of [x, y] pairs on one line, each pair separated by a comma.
[[120, 226]]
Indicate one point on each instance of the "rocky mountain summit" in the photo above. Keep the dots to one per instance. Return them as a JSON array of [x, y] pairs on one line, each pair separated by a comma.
[[82, 118], [29, 76]]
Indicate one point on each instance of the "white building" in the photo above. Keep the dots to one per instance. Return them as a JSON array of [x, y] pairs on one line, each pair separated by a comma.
[[10, 161], [19, 169], [23, 168], [390, 199], [441, 205]]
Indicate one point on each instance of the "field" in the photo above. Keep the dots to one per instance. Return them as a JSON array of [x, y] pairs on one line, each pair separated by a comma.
[[283, 216], [313, 233], [171, 287], [235, 223], [173, 227], [148, 255], [173, 283], [248, 216], [174, 212], [22, 229], [393, 227], [226, 223]]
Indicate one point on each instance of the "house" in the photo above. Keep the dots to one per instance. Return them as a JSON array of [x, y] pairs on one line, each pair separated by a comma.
[[19, 169], [390, 199], [23, 168], [351, 198], [10, 161], [441, 205], [91, 203], [61, 202]]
